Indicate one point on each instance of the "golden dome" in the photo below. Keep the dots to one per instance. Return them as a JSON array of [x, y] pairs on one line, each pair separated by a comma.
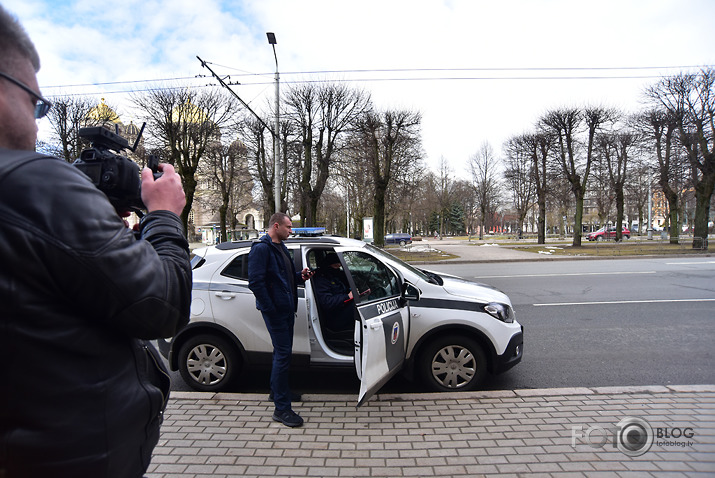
[[188, 113], [103, 113]]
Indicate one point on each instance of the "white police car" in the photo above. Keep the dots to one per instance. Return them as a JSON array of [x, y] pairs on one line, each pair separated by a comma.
[[447, 331]]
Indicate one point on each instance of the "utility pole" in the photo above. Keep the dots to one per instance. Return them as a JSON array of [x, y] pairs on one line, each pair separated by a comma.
[[276, 136]]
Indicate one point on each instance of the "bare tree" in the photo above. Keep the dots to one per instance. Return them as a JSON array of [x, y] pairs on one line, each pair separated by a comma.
[[403, 194], [690, 99], [566, 125], [485, 179], [225, 168], [537, 148], [253, 134], [71, 113], [600, 191], [617, 149], [320, 115], [519, 175], [443, 186], [658, 128], [352, 175], [391, 139], [185, 122]]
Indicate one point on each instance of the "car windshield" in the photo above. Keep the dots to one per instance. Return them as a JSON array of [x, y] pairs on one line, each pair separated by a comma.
[[390, 258]]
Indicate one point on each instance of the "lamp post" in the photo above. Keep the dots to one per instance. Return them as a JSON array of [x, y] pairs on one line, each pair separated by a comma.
[[276, 134]]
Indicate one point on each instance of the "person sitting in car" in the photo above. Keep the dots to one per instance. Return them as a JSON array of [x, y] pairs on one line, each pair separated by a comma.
[[335, 299]]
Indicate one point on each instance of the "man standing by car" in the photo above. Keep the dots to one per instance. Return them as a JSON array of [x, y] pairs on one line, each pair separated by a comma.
[[273, 280], [82, 393]]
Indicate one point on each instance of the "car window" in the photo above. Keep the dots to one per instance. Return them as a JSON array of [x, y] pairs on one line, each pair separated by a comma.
[[238, 267], [369, 273], [390, 258]]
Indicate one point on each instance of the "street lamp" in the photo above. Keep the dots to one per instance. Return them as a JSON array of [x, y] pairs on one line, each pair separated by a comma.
[[276, 136]]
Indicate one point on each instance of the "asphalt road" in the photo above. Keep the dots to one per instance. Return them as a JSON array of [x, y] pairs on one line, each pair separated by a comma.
[[588, 323], [598, 323]]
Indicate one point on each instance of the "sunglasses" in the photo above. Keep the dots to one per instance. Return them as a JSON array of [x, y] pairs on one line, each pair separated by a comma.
[[42, 106]]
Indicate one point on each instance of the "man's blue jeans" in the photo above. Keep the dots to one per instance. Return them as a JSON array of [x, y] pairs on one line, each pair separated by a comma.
[[281, 330]]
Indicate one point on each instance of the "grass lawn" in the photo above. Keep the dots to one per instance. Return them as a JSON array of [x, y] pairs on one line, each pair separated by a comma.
[[611, 248]]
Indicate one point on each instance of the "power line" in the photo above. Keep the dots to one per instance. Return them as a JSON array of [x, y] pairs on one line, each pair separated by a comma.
[[409, 78], [407, 70]]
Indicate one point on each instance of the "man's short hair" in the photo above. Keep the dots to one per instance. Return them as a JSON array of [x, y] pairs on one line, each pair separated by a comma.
[[15, 43], [278, 217]]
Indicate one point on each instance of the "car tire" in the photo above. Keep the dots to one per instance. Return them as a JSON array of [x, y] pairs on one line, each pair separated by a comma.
[[402, 243], [452, 363], [599, 238], [626, 237], [208, 363]]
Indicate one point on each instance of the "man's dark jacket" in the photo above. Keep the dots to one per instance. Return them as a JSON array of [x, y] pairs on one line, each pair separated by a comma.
[[269, 278], [82, 392], [331, 291]]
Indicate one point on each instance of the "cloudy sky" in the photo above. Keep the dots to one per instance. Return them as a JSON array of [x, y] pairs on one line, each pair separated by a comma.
[[478, 71]]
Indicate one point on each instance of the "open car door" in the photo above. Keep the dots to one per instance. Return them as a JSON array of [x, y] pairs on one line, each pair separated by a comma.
[[381, 334]]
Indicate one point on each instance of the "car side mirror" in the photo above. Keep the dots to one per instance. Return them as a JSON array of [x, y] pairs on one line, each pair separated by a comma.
[[410, 292]]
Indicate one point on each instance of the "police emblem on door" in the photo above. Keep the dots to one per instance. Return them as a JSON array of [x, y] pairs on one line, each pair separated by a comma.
[[395, 332]]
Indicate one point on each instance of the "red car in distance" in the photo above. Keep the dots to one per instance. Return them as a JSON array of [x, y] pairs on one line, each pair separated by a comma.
[[607, 233]]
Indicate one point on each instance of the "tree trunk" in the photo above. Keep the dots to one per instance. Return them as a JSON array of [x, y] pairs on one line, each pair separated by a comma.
[[541, 221], [578, 219], [703, 193], [379, 214], [619, 213]]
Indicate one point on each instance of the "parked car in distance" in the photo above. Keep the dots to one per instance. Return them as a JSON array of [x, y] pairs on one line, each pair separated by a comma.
[[607, 233], [398, 238], [443, 330]]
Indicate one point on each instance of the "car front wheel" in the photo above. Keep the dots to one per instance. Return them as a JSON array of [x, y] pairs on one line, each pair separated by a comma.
[[453, 363], [208, 363], [599, 238]]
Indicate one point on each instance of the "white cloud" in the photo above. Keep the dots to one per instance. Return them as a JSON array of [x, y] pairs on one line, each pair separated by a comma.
[[88, 42]]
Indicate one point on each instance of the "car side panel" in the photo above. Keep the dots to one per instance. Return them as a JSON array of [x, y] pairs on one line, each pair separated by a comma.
[[234, 307]]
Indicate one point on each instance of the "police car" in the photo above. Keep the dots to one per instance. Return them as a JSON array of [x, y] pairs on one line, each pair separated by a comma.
[[444, 330]]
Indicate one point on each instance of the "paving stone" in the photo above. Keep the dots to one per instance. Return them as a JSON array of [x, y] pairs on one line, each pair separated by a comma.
[[509, 433]]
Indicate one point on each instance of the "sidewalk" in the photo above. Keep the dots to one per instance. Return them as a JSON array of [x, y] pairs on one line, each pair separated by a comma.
[[480, 252], [549, 432]]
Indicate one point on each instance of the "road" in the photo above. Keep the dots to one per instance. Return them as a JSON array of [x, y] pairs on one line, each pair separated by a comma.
[[596, 323], [588, 323]]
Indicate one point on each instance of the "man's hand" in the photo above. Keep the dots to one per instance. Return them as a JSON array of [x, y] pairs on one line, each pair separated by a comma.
[[165, 193], [306, 273]]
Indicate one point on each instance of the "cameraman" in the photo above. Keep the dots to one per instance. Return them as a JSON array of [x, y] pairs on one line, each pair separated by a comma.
[[82, 392]]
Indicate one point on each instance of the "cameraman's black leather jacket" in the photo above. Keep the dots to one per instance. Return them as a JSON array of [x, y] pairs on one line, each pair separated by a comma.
[[81, 392]]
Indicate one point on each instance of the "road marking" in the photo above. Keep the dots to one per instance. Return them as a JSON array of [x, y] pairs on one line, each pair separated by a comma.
[[562, 274], [652, 301], [688, 263]]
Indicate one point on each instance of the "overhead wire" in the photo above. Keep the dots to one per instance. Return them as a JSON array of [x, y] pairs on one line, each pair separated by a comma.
[[397, 78]]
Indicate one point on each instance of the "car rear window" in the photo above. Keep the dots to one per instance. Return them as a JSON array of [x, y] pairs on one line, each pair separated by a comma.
[[238, 267]]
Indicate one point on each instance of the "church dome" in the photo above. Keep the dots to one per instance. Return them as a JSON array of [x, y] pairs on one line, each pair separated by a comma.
[[131, 129], [189, 113], [103, 114]]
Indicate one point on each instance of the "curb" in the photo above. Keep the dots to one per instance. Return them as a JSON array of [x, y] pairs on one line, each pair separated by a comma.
[[492, 394]]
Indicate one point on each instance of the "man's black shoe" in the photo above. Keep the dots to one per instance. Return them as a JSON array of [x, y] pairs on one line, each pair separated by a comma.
[[294, 397], [288, 418]]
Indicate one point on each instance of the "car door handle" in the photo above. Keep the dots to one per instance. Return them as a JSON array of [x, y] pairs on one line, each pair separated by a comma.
[[225, 295]]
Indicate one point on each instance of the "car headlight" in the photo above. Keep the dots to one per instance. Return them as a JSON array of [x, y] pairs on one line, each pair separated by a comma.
[[500, 311]]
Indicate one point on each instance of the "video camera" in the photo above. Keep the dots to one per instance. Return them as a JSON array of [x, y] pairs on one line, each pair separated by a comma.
[[116, 176]]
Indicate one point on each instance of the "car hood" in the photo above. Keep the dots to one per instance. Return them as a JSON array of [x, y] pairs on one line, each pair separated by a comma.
[[473, 290]]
